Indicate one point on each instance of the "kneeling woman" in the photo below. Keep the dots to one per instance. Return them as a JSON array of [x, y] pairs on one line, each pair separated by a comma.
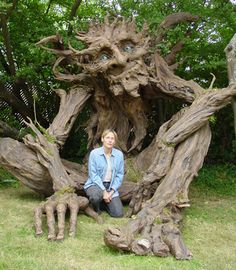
[[105, 176]]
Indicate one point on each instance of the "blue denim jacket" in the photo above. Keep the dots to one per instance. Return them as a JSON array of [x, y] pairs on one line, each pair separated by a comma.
[[97, 167]]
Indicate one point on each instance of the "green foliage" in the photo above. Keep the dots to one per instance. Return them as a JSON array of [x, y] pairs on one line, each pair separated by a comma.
[[63, 191], [28, 130], [234, 145], [217, 180], [212, 119], [7, 179], [7, 116], [222, 148], [131, 173], [4, 7], [49, 137], [173, 145], [75, 148], [25, 131]]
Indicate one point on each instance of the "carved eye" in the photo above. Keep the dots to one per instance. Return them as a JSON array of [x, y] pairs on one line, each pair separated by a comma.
[[128, 48], [104, 57]]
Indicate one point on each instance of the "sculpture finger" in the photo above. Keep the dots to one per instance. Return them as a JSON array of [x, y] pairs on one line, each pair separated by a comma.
[[137, 206], [74, 209], [49, 209], [133, 202], [38, 220], [90, 212], [61, 211], [137, 203]]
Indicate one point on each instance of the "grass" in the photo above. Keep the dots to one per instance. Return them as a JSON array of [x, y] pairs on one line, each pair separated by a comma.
[[6, 179], [209, 232]]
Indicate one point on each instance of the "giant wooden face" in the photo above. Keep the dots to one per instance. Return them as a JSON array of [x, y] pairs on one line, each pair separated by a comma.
[[115, 51]]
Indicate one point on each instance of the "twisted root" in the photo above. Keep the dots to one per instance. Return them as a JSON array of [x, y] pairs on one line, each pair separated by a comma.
[[160, 237]]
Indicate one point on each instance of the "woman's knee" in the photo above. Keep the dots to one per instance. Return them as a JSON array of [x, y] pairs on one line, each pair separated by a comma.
[[117, 214], [94, 194], [95, 199], [115, 208]]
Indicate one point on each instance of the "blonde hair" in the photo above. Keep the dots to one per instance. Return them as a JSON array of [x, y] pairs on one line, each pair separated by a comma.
[[106, 131]]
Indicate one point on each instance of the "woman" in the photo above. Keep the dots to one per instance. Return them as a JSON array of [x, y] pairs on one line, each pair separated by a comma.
[[105, 176]]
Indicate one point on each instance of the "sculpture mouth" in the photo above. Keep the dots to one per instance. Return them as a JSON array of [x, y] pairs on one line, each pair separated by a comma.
[[117, 71]]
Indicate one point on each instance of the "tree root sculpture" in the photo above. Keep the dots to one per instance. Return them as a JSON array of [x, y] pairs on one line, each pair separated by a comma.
[[58, 204], [23, 163], [162, 207], [123, 81], [179, 156], [160, 238], [63, 184]]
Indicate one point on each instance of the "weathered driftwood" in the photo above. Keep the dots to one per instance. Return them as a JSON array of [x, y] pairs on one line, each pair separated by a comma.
[[122, 80]]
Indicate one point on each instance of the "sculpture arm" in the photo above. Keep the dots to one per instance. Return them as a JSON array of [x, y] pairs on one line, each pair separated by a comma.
[[70, 106], [198, 114], [165, 83]]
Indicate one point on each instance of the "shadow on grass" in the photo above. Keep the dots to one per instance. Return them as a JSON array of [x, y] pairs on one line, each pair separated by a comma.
[[29, 196]]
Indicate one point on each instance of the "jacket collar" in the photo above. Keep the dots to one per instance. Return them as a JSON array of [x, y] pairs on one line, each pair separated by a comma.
[[102, 151]]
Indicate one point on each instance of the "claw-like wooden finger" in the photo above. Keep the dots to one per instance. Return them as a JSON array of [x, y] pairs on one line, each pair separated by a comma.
[[61, 212], [49, 209], [38, 220], [74, 209], [90, 212]]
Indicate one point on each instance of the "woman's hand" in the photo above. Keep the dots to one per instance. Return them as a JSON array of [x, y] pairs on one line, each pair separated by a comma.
[[107, 196]]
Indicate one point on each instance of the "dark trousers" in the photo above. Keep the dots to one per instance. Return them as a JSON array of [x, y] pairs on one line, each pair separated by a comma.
[[95, 195]]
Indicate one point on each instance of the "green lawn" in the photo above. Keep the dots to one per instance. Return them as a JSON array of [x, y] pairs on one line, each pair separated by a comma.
[[209, 232]]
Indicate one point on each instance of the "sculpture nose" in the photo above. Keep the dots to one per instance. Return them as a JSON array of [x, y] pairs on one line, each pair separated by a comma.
[[120, 58]]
